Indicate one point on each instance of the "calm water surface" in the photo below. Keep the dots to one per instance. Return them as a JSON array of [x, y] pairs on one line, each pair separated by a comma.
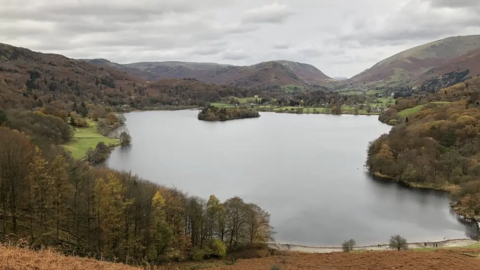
[[305, 170]]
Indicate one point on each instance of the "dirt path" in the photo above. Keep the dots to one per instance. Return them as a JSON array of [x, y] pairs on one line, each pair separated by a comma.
[[308, 249]]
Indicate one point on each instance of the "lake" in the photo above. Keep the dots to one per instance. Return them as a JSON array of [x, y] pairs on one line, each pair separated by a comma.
[[305, 170]]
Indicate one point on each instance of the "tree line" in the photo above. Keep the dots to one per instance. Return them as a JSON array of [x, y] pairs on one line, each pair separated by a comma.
[[51, 200]]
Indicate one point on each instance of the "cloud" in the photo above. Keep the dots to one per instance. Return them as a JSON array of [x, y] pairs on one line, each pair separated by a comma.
[[349, 36], [281, 46], [415, 21], [454, 3], [208, 51], [235, 55], [274, 13], [310, 52]]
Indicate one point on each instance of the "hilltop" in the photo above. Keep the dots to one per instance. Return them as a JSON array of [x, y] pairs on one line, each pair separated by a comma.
[[406, 66], [272, 73]]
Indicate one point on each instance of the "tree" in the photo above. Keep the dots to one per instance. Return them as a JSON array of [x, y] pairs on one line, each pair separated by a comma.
[[61, 191], [3, 118], [111, 206], [257, 224], [37, 194], [235, 222], [399, 243], [348, 246], [111, 119], [213, 217], [125, 139], [100, 153], [161, 233], [15, 156]]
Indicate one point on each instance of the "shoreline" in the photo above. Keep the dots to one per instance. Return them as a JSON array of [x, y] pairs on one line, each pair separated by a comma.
[[461, 242], [448, 189]]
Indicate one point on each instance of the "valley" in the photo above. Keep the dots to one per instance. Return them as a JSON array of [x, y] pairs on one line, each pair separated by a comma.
[[145, 198]]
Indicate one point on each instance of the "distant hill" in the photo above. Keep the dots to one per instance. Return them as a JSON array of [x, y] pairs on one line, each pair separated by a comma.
[[273, 73], [340, 78], [405, 66], [31, 79]]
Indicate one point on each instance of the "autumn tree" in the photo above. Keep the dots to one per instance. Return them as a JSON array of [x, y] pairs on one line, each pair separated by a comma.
[[15, 156], [110, 208], [61, 191]]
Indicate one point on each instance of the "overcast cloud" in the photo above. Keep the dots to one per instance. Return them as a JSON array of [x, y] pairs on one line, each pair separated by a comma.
[[340, 37]]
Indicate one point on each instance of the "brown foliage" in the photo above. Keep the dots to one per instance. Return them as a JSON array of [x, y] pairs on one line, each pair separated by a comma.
[[438, 147]]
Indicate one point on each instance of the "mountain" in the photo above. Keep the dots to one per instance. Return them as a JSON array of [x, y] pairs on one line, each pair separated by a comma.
[[340, 78], [405, 66], [267, 73]]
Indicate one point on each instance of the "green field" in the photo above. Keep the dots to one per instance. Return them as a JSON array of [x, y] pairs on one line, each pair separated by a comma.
[[84, 138], [408, 112], [374, 92], [291, 88], [221, 105]]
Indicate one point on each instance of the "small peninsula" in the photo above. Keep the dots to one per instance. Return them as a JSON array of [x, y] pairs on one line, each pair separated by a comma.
[[213, 114]]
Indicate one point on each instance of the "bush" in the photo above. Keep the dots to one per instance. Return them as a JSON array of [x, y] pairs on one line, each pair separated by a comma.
[[198, 254], [347, 246], [399, 243], [218, 248], [276, 267]]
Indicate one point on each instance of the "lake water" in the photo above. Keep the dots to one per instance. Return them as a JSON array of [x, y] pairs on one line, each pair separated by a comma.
[[305, 170]]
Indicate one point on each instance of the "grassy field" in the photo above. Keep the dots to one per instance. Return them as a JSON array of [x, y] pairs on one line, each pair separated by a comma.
[[408, 112], [221, 105], [292, 88], [84, 138]]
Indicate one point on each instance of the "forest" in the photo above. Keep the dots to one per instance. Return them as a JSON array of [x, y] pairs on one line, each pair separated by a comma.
[[212, 114], [49, 199], [436, 147]]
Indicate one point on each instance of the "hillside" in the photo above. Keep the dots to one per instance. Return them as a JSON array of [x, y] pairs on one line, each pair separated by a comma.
[[470, 61], [407, 65], [441, 259], [273, 73], [31, 79]]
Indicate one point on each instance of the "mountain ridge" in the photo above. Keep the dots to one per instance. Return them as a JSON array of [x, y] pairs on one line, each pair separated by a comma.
[[409, 64], [277, 72]]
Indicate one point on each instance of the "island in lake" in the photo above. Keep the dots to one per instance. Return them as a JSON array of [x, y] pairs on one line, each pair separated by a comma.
[[212, 113]]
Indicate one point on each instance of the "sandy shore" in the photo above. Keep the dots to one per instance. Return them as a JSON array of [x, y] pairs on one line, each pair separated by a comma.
[[309, 249]]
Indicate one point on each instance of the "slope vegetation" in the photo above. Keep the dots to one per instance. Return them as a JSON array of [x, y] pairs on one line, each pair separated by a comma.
[[435, 144], [407, 65]]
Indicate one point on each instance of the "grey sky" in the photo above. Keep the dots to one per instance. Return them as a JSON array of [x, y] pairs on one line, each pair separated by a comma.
[[340, 37]]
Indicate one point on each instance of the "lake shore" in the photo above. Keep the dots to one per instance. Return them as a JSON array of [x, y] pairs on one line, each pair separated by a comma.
[[461, 211], [448, 243]]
